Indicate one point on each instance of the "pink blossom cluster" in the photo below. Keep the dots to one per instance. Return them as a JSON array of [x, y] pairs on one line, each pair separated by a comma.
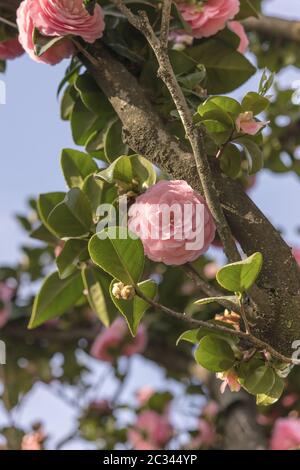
[[116, 341], [57, 18], [151, 431], [10, 49], [286, 434]]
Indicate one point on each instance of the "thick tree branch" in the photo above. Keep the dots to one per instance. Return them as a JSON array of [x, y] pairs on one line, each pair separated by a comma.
[[275, 27]]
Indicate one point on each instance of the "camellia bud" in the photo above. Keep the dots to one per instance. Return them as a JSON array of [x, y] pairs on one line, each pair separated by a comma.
[[120, 291]]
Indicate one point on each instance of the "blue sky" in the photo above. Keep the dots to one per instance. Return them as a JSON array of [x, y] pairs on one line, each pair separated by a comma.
[[31, 138]]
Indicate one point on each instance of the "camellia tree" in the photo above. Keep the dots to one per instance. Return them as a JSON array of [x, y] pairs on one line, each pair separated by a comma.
[[158, 136]]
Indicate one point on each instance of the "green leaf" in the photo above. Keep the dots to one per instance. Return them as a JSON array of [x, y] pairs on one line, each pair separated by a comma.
[[260, 381], [72, 218], [113, 143], [209, 300], [55, 297], [93, 98], [72, 253], [85, 122], [76, 167], [194, 336], [43, 234], [224, 103], [226, 68], [118, 254], [134, 309], [219, 131], [130, 169], [43, 43], [191, 336], [231, 161], [98, 192], [255, 103], [254, 154], [248, 8], [273, 394], [97, 284], [214, 354], [45, 204], [240, 276]]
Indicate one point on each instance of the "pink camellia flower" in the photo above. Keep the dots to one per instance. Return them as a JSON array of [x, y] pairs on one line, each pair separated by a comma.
[[6, 294], [116, 341], [239, 30], [55, 54], [33, 441], [206, 435], [209, 17], [55, 18], [144, 394], [246, 123], [211, 409], [10, 49], [296, 253], [289, 400], [150, 432], [286, 434], [173, 223], [229, 379]]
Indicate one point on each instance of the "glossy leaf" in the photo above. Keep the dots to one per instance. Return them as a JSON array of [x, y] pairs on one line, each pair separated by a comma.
[[55, 297], [240, 276], [72, 218], [118, 254], [76, 167], [214, 354], [72, 253], [97, 283]]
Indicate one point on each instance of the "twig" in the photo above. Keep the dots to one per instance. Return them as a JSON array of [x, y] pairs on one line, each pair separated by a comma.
[[209, 290], [9, 23], [194, 134], [259, 344], [165, 24]]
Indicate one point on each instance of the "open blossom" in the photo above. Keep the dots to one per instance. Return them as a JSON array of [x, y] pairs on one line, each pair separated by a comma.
[[209, 17], [144, 394], [6, 294], [286, 434], [55, 18], [229, 379], [173, 223], [116, 341], [10, 49], [246, 123], [150, 432], [239, 30], [206, 436], [33, 441]]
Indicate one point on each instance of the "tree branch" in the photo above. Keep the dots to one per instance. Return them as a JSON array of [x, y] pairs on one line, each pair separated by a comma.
[[275, 27]]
